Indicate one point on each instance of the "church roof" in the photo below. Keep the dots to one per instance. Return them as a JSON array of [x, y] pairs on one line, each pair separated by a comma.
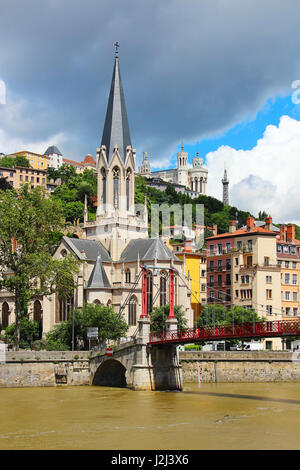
[[116, 128], [147, 249], [52, 149], [98, 277], [91, 248]]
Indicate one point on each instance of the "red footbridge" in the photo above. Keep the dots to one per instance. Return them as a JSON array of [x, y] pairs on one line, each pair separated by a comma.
[[254, 330]]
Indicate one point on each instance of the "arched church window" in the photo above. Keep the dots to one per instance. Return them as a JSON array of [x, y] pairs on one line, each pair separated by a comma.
[[64, 308], [103, 176], [116, 186], [5, 315], [38, 316], [132, 311], [127, 276], [149, 292], [128, 179], [97, 302], [163, 288]]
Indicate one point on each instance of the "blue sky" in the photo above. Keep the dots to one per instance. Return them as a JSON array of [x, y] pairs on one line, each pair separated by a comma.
[[245, 134]]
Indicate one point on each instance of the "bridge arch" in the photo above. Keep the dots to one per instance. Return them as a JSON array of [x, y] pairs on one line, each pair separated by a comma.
[[110, 373]]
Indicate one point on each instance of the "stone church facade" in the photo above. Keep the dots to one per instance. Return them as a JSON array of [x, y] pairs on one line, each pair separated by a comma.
[[116, 244]]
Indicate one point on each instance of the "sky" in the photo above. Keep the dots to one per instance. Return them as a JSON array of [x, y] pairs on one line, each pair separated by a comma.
[[216, 72]]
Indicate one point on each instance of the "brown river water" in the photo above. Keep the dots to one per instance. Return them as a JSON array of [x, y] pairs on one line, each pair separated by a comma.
[[214, 416]]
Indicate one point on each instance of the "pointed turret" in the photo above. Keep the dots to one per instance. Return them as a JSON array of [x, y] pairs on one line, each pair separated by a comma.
[[116, 128]]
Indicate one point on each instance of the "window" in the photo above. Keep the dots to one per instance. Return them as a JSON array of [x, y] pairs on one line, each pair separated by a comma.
[[287, 311], [228, 246], [127, 276], [163, 289], [295, 296], [239, 246], [211, 249], [203, 273], [236, 293], [116, 182], [286, 278], [220, 264], [228, 264], [64, 308], [211, 280], [269, 309], [279, 248], [287, 295], [236, 261], [295, 279], [295, 311], [132, 311], [293, 250], [269, 293], [219, 248], [203, 287], [294, 264], [128, 180], [269, 279], [219, 279], [279, 262], [285, 250], [249, 243], [236, 277], [287, 264], [266, 261]]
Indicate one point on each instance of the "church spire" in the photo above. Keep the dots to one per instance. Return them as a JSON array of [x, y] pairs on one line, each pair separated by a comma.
[[116, 128]]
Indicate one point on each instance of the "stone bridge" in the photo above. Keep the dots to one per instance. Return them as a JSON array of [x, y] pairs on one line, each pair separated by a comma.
[[138, 365]]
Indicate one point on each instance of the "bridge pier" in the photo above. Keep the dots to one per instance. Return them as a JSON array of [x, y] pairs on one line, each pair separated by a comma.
[[158, 366]]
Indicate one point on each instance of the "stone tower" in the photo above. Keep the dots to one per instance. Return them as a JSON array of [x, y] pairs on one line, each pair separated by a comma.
[[145, 168], [182, 167], [118, 220], [225, 183]]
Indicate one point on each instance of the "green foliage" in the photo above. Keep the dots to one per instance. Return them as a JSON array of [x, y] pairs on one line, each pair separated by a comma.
[[4, 184], [49, 345], [10, 162], [159, 316], [193, 347], [219, 315], [71, 193], [110, 325], [29, 332], [215, 212], [34, 221]]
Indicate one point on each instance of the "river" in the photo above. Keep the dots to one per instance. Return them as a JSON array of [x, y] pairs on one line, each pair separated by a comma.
[[214, 416]]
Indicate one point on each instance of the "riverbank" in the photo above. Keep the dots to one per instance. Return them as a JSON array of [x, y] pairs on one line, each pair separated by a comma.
[[57, 368]]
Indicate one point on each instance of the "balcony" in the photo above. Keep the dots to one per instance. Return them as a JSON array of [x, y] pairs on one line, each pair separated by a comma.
[[261, 267]]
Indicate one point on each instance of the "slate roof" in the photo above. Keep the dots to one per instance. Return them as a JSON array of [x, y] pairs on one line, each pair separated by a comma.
[[52, 149], [147, 249], [116, 128], [98, 278], [92, 249]]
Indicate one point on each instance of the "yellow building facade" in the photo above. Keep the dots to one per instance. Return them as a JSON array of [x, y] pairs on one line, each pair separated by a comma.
[[36, 161]]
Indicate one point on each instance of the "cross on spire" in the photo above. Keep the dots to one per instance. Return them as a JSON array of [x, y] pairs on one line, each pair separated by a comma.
[[117, 45]]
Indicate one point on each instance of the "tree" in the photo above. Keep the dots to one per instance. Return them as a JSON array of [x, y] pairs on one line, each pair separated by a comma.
[[109, 324], [159, 316], [4, 184], [28, 232], [10, 162], [217, 314]]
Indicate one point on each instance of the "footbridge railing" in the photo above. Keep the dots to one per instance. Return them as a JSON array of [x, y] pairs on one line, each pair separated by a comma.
[[221, 332]]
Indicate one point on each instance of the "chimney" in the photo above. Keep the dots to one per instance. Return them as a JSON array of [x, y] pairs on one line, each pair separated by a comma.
[[232, 226], [283, 230], [268, 223], [215, 230], [290, 233], [250, 223]]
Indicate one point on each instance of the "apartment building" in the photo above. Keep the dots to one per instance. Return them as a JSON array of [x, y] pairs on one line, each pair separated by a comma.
[[36, 161], [195, 271], [288, 256]]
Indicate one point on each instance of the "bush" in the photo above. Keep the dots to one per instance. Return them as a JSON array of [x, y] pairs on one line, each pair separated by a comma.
[[49, 345], [29, 332]]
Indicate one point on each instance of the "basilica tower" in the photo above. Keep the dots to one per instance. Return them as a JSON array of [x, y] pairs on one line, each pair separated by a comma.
[[118, 220]]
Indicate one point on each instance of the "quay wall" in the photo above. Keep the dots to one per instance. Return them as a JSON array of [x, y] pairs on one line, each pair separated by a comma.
[[58, 368], [240, 366]]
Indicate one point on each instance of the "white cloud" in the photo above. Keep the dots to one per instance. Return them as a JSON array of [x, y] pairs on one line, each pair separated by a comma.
[[265, 177], [16, 129]]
